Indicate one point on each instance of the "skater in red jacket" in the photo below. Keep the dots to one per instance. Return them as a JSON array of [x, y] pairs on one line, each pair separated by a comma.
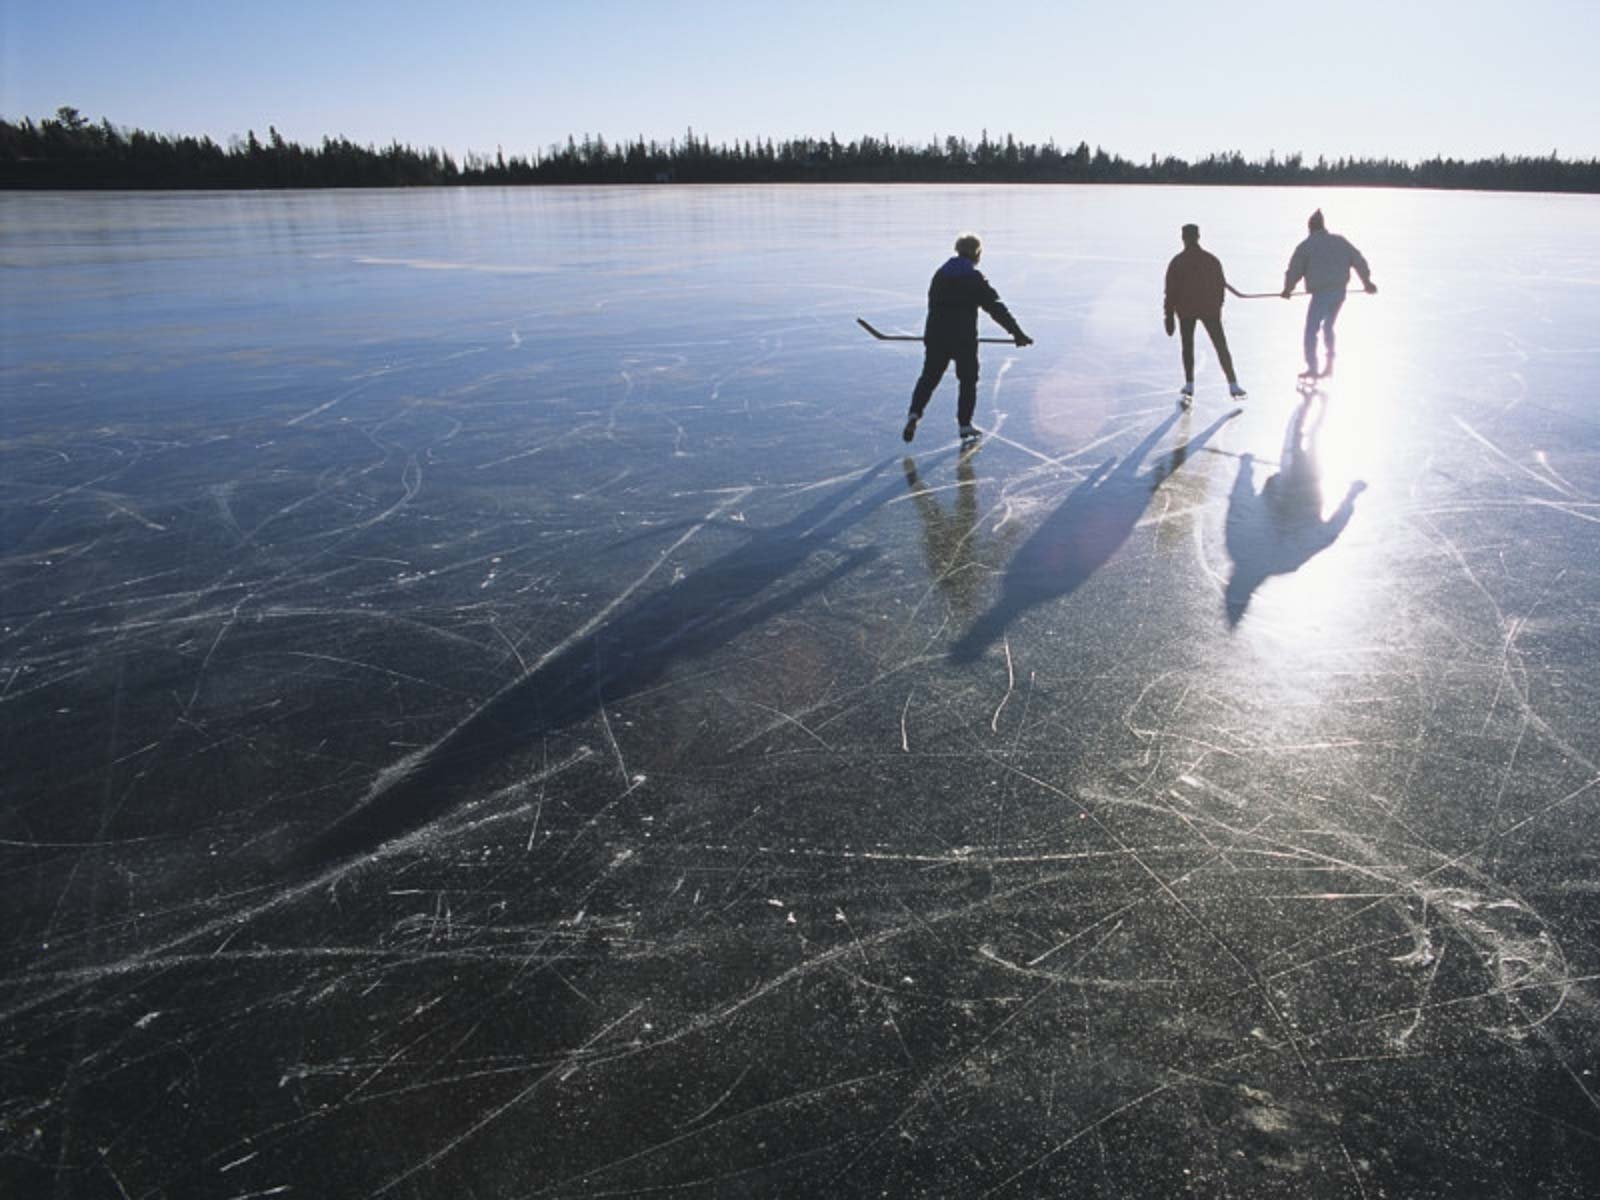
[[1194, 293]]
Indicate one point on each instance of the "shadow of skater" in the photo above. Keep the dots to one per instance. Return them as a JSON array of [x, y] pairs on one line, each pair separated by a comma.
[[1076, 539], [949, 539], [1277, 531], [692, 617]]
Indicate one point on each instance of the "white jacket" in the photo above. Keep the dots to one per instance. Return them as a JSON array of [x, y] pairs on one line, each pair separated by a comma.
[[1324, 260]]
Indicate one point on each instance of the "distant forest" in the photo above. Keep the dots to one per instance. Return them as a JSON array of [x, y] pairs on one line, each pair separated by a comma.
[[69, 151]]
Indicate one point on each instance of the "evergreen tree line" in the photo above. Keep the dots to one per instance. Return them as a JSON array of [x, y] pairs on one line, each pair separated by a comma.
[[68, 151]]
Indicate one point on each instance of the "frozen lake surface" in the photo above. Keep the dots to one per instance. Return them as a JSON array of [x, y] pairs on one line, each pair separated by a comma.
[[491, 708]]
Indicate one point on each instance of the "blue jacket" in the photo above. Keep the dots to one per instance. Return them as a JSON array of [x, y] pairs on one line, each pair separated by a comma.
[[956, 294]]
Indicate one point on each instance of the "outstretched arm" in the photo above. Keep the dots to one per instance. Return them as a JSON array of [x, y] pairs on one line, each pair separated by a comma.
[[1359, 262], [1003, 318], [989, 300], [1296, 271]]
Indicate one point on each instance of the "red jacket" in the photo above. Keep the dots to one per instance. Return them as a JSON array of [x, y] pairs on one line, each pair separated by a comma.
[[1194, 284]]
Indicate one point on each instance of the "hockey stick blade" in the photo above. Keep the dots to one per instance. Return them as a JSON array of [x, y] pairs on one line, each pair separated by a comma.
[[886, 337]]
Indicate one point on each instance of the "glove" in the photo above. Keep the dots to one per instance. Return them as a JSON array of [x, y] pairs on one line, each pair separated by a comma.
[[1372, 288], [1023, 339], [1287, 292], [1170, 324]]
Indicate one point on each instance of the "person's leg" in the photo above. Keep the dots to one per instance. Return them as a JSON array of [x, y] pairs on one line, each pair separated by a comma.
[[934, 361], [1219, 342], [1186, 336], [1335, 303], [1313, 319], [967, 376]]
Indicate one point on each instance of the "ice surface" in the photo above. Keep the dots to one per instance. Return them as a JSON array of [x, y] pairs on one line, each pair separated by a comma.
[[492, 708]]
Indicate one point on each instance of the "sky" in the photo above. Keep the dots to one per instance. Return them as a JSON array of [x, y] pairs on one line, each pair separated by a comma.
[[1399, 78]]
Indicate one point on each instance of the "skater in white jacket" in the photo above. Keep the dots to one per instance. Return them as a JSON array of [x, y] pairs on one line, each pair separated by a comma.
[[1324, 260]]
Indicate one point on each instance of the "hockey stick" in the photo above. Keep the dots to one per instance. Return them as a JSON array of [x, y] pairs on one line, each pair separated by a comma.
[[906, 337], [1271, 295]]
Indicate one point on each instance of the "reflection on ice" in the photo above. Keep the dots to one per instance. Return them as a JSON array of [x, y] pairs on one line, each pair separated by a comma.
[[959, 555]]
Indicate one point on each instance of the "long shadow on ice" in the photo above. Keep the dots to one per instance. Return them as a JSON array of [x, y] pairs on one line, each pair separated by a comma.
[[629, 651], [1077, 539], [1276, 531]]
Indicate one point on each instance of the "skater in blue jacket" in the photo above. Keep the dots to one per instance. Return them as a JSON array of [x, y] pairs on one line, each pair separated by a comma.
[[956, 294]]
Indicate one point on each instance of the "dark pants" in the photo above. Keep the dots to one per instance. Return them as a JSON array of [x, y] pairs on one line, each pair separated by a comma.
[[934, 361], [1219, 342]]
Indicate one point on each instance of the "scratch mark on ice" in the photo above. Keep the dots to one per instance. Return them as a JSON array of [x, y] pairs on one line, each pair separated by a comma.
[[496, 1113], [1499, 453], [1011, 686], [717, 1103]]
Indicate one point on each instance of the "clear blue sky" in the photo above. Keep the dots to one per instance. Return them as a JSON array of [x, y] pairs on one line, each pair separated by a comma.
[[1405, 78]]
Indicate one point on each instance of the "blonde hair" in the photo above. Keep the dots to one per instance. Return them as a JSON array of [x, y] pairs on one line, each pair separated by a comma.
[[967, 245]]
